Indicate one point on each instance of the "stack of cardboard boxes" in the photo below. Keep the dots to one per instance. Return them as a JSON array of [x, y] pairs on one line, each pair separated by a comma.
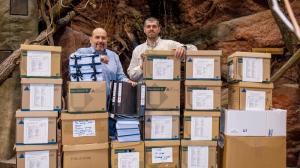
[[36, 122], [202, 109], [85, 126], [254, 133], [162, 116]]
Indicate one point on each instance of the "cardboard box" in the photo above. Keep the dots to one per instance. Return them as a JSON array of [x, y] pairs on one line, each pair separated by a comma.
[[250, 96], [41, 94], [203, 64], [249, 67], [84, 128], [127, 154], [267, 123], [36, 127], [40, 61], [87, 96], [258, 152], [36, 156], [162, 125], [201, 125], [160, 65], [202, 95], [198, 154], [162, 95], [88, 155], [162, 154]]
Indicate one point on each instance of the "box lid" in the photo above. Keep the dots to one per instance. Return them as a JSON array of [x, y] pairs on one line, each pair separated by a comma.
[[203, 83], [253, 85], [83, 116], [86, 84], [163, 113], [204, 53], [162, 143], [36, 114], [41, 48], [250, 54], [198, 143], [21, 148], [200, 113], [84, 147], [159, 53], [116, 144], [41, 81]]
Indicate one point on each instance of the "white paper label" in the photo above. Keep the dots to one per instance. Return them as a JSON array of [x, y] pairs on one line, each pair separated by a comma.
[[143, 92], [203, 68], [128, 160], [253, 69], [162, 155], [255, 100], [198, 157], [161, 127], [201, 128], [37, 159], [35, 130], [163, 68], [231, 71], [84, 128], [114, 92], [38, 63], [202, 99], [120, 93], [41, 96]]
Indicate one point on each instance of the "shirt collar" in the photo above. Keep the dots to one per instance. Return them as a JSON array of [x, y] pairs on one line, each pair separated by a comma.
[[94, 51], [155, 44]]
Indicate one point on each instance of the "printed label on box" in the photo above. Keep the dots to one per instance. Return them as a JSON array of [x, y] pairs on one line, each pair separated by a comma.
[[161, 127], [38, 63], [37, 159], [41, 97], [202, 99], [163, 68], [255, 100], [128, 160], [198, 156], [84, 128], [203, 68], [162, 155], [201, 128], [35, 130], [253, 69]]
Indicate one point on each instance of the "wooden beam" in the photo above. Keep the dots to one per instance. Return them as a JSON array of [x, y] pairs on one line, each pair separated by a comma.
[[273, 51], [292, 61]]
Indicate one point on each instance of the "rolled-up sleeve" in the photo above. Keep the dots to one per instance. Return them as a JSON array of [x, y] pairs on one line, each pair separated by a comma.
[[120, 73], [134, 70]]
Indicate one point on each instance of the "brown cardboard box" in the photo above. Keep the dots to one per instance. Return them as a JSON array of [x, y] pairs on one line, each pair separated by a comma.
[[54, 62], [127, 147], [203, 86], [237, 94], [23, 131], [165, 125], [36, 156], [258, 152], [198, 71], [235, 66], [211, 155], [87, 96], [40, 90], [162, 154], [90, 128], [162, 95], [150, 55], [187, 126], [88, 155]]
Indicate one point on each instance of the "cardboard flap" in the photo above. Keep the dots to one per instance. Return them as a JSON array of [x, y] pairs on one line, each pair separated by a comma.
[[40, 81], [116, 144], [161, 143], [20, 148], [204, 53], [72, 148], [37, 114], [41, 48], [163, 113], [251, 54], [86, 84], [204, 113], [159, 53], [254, 85], [204, 83], [198, 143], [68, 116]]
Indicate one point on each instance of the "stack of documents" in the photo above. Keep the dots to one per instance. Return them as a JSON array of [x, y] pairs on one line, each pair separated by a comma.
[[85, 67], [128, 130]]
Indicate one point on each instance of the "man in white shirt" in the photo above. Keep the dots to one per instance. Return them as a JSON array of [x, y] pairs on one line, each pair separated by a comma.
[[153, 42]]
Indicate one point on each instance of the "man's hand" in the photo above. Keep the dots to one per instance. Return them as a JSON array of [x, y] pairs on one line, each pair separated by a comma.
[[141, 60], [104, 59], [132, 83], [180, 52]]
